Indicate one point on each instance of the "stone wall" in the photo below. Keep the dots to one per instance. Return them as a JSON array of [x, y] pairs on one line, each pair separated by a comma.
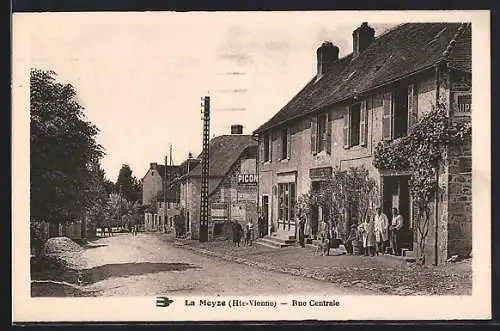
[[460, 200]]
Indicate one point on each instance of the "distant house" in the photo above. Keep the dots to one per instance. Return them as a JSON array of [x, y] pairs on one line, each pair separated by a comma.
[[232, 185], [376, 93], [160, 192]]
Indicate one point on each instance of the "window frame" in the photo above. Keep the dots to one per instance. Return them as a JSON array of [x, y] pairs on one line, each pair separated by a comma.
[[267, 147], [284, 143], [355, 132], [322, 136]]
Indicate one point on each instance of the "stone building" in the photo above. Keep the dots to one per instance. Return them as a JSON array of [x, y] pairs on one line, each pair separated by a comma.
[[160, 192], [232, 185], [375, 93]]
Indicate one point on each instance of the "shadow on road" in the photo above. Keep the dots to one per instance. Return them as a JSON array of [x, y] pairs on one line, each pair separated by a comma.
[[95, 246], [96, 274], [54, 269], [58, 290]]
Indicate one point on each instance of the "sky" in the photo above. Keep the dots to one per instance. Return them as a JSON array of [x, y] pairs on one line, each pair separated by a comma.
[[140, 76]]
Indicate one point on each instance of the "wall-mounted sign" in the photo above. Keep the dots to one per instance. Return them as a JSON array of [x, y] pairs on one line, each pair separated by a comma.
[[219, 210], [462, 104], [247, 179], [461, 87], [320, 173]]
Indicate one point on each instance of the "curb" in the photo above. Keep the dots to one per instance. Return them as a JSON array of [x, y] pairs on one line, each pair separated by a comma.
[[386, 289]]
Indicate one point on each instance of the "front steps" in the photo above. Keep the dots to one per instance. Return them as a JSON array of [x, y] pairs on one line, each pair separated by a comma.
[[276, 241]]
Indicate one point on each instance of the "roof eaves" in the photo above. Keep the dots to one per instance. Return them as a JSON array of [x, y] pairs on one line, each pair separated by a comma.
[[349, 97], [451, 44]]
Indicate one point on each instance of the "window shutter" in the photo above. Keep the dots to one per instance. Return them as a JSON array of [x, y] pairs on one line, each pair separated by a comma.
[[271, 134], [314, 138], [363, 124], [387, 117], [412, 106], [280, 143], [261, 149], [289, 143], [328, 138], [346, 129]]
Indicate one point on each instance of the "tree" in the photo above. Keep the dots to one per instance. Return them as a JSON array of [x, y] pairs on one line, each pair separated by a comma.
[[127, 185], [97, 208], [351, 190], [63, 150]]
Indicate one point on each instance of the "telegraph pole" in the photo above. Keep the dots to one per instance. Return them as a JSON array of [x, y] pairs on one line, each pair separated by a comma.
[[204, 213]]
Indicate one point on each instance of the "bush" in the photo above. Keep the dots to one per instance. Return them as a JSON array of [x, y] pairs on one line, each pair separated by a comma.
[[37, 238]]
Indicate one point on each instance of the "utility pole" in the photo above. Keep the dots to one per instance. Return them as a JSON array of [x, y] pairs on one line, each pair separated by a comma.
[[204, 214], [120, 207]]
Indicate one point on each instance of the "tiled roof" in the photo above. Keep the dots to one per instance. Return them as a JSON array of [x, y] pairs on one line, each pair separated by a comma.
[[224, 151], [161, 170], [404, 50]]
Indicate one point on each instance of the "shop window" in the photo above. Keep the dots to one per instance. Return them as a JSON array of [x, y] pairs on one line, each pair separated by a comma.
[[286, 199]]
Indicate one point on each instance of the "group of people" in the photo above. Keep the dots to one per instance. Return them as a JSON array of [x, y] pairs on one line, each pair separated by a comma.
[[238, 232], [107, 230], [376, 233]]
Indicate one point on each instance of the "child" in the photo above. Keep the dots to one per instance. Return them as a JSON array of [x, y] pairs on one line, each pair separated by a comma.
[[325, 245]]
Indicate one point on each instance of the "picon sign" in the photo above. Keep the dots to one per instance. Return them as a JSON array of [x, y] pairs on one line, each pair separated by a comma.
[[247, 179]]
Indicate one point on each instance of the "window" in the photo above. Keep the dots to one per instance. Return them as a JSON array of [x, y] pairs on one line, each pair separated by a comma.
[[320, 134], [286, 199], [322, 120], [400, 111], [356, 125], [285, 144], [152, 173], [267, 148]]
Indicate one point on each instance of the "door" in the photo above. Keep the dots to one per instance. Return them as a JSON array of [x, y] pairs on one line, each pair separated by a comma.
[[265, 209], [396, 195]]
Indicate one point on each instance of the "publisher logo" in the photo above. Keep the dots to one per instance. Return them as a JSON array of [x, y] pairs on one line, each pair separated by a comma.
[[163, 302]]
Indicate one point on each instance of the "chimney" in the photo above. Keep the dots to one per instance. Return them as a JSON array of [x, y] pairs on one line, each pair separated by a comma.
[[362, 37], [326, 54], [236, 129], [153, 165]]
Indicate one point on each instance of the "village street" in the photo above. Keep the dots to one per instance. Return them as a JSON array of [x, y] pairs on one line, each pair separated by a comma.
[[151, 264]]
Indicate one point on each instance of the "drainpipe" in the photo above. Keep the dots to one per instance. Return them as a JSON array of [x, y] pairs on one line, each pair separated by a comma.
[[436, 206]]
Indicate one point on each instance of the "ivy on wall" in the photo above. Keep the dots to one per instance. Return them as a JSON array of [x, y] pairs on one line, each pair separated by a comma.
[[422, 152]]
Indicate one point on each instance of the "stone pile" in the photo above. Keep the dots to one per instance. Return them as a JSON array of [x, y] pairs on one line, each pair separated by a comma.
[[59, 245]]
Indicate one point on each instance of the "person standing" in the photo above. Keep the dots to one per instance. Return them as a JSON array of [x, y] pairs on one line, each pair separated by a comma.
[[396, 225], [301, 226], [353, 235], [381, 224], [367, 230], [248, 234]]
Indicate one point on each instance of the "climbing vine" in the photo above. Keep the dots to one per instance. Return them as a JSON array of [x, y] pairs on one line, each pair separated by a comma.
[[422, 152]]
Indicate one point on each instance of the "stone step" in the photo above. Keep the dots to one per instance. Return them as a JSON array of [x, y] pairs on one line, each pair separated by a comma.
[[410, 254], [282, 240], [266, 244], [282, 236], [275, 242]]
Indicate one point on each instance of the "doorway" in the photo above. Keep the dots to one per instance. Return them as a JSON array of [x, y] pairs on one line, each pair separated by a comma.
[[396, 195], [265, 210]]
